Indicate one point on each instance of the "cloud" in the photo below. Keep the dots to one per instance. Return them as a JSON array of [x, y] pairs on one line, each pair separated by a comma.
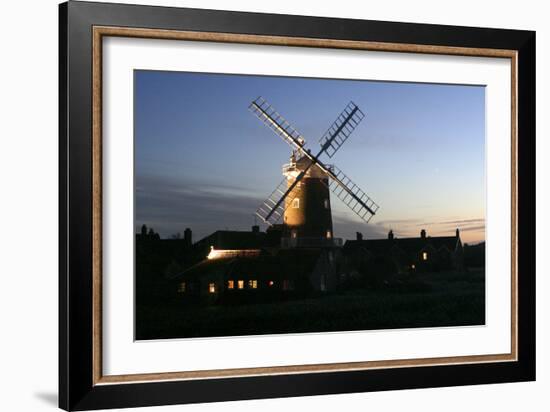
[[473, 228], [460, 222], [170, 205], [346, 226], [396, 222], [411, 227]]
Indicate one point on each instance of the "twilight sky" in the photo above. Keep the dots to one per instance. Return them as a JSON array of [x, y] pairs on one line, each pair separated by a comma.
[[203, 161]]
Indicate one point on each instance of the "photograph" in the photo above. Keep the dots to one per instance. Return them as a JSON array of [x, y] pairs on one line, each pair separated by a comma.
[[286, 205], [283, 203]]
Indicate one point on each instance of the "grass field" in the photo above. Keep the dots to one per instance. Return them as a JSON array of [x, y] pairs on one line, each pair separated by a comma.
[[424, 300]]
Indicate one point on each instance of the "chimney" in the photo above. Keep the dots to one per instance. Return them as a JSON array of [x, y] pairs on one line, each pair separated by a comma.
[[423, 234], [390, 235], [359, 235], [188, 237], [255, 229]]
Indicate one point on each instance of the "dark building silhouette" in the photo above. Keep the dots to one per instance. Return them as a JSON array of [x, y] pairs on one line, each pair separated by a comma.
[[236, 261], [420, 254], [258, 271], [232, 262]]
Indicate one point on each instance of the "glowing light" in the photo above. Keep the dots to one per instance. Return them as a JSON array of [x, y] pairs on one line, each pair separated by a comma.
[[228, 253], [270, 283], [214, 254], [424, 255], [240, 284], [212, 287], [252, 284], [230, 284]]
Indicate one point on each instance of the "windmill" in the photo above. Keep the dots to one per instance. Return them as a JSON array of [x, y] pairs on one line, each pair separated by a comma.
[[303, 196]]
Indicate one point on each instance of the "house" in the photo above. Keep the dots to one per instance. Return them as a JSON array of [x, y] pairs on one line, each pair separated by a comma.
[[238, 264], [259, 271], [405, 255], [227, 242]]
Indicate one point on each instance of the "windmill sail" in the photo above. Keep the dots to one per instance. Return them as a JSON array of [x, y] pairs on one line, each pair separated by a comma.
[[341, 129], [274, 206], [348, 192], [351, 195], [272, 119]]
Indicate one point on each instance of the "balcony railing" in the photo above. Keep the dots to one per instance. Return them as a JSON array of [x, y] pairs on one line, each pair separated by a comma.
[[291, 167]]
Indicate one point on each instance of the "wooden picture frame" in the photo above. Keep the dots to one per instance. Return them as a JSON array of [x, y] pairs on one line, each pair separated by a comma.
[[82, 385]]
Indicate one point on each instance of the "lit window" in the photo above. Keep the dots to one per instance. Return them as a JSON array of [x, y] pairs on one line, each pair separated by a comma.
[[230, 284], [252, 284], [424, 255], [329, 234], [296, 203], [240, 284], [182, 287], [326, 203], [293, 234], [212, 287]]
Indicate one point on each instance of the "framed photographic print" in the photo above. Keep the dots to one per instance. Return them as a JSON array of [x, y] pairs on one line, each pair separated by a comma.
[[257, 205]]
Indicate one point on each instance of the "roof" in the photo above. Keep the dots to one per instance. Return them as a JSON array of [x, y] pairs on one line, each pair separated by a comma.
[[441, 241], [292, 262], [409, 245], [234, 239], [377, 246]]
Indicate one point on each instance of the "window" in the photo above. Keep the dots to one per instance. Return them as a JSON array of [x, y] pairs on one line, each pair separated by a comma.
[[212, 287], [326, 203], [329, 234], [230, 284], [253, 284], [240, 284], [286, 284], [293, 234], [296, 203], [424, 255], [182, 287]]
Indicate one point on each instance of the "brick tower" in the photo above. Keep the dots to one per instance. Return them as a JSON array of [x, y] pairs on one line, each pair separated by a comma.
[[307, 208]]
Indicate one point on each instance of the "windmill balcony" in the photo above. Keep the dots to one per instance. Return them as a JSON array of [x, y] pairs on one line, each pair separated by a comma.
[[288, 168], [292, 168]]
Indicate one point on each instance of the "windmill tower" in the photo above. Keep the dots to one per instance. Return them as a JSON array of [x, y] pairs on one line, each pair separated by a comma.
[[303, 196], [307, 208]]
